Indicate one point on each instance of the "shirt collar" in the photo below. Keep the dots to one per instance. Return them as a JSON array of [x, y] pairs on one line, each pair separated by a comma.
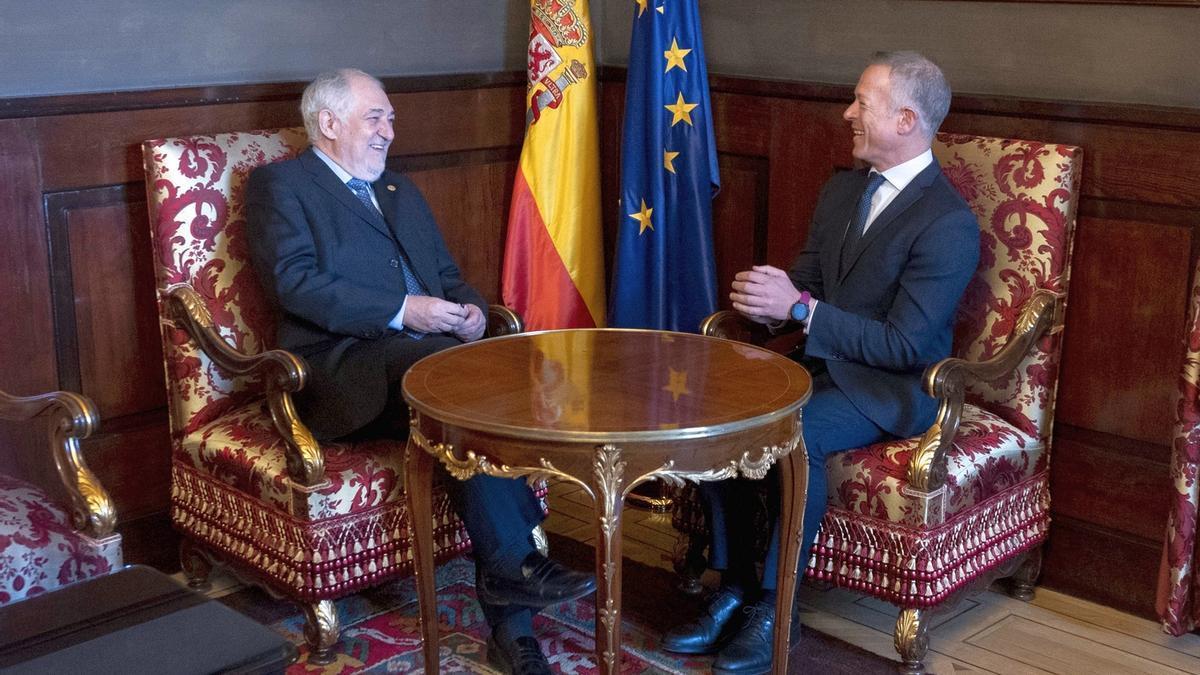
[[342, 174], [902, 174]]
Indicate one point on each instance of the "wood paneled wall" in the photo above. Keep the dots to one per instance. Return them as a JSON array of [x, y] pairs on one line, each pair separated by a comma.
[[79, 313], [1136, 247]]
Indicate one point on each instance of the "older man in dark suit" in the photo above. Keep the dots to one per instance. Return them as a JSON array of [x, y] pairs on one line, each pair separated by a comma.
[[365, 287], [890, 251]]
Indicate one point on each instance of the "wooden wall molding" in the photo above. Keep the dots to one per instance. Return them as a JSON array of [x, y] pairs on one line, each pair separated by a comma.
[[183, 97]]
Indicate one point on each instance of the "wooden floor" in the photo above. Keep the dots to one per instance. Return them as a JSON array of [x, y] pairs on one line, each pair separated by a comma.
[[992, 633]]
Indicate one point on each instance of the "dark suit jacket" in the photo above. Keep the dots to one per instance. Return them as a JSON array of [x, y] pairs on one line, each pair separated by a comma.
[[331, 266], [890, 314]]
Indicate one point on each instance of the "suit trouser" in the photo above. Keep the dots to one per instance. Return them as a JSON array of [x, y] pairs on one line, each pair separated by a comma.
[[499, 513], [831, 424]]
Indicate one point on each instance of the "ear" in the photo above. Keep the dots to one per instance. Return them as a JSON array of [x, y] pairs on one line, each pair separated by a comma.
[[329, 124], [907, 121]]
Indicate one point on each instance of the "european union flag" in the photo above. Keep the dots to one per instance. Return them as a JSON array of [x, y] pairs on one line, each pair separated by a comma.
[[664, 275]]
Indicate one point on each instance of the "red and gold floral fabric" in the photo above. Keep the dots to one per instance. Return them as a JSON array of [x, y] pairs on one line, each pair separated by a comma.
[[1178, 601], [198, 228], [231, 491], [1024, 195], [243, 449], [39, 550], [989, 456]]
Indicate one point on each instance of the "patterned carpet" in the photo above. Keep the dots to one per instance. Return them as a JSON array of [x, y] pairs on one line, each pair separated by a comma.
[[380, 632]]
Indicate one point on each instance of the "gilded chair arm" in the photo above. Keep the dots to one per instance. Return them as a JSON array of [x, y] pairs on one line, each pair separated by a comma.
[[946, 380], [72, 418], [503, 321], [285, 373], [734, 326]]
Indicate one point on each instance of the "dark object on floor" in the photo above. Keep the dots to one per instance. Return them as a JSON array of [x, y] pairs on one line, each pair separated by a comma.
[[136, 620]]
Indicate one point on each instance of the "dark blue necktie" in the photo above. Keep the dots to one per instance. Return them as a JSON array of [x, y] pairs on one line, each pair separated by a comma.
[[854, 230], [413, 285]]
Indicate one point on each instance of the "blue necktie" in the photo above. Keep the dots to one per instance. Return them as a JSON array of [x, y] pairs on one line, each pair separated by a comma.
[[854, 231], [413, 285]]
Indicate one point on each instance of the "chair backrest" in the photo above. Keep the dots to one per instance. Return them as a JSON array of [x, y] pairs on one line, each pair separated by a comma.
[[197, 228], [1025, 195]]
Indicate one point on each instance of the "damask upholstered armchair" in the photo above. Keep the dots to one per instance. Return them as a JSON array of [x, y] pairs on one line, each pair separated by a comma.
[[919, 522], [43, 544], [251, 489]]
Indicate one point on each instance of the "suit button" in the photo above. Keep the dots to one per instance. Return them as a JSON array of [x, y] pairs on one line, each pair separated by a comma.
[[395, 263]]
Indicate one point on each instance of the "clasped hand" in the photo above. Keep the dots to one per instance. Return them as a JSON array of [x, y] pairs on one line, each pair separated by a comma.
[[427, 314], [764, 294]]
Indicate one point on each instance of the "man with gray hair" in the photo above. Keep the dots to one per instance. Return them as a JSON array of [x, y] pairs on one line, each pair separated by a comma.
[[364, 286], [890, 250]]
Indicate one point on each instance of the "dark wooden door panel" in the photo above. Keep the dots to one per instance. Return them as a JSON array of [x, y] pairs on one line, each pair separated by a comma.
[[1125, 316]]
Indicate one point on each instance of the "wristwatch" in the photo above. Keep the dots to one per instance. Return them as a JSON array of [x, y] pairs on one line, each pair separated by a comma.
[[799, 311]]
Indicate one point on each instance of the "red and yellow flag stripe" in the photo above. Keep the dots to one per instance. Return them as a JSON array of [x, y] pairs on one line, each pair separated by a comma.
[[553, 262]]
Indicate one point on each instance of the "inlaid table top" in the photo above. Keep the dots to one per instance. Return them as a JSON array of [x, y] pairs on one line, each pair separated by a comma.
[[607, 385]]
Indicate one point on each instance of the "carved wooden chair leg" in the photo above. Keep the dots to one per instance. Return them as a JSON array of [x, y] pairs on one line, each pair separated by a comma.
[[912, 640], [321, 631], [196, 565], [689, 562], [1026, 575]]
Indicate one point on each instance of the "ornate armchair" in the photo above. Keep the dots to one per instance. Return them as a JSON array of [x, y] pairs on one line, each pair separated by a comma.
[[920, 522], [41, 547], [251, 489]]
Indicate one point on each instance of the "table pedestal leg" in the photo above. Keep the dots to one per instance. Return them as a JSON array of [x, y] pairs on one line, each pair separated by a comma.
[[418, 490], [793, 482], [608, 579]]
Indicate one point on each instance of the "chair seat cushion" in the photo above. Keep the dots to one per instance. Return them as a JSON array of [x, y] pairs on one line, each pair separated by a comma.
[[243, 450], [989, 456], [39, 550]]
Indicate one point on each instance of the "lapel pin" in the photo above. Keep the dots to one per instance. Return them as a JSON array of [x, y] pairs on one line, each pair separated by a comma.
[[391, 188]]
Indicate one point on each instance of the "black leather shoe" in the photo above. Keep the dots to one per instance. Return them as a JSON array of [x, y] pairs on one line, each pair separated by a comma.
[[709, 631], [750, 650], [522, 656], [543, 582]]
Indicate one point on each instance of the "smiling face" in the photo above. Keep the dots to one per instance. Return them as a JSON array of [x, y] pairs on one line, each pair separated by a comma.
[[876, 122], [359, 142]]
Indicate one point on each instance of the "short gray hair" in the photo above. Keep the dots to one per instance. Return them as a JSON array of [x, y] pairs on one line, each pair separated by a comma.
[[329, 91], [918, 83]]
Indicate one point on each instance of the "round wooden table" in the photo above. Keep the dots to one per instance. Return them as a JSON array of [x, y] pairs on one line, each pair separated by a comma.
[[606, 409]]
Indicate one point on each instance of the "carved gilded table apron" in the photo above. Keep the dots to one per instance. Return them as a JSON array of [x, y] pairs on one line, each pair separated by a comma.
[[606, 409]]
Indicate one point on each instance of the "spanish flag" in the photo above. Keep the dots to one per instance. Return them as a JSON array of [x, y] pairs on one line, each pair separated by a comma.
[[553, 261]]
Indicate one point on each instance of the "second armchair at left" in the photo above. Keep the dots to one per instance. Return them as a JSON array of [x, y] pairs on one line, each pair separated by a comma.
[[44, 542]]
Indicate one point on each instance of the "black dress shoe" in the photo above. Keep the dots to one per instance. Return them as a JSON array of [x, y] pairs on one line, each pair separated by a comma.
[[522, 656], [750, 651], [708, 632], [543, 582]]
